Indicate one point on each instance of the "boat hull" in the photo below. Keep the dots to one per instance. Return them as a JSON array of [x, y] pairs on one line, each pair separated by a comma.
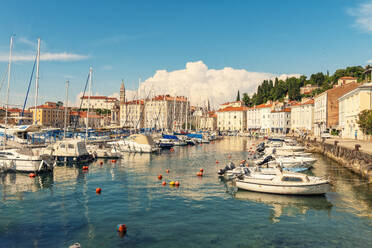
[[313, 189]]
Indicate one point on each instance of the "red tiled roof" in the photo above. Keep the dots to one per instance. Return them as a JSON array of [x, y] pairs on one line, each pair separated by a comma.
[[264, 105], [282, 110], [135, 102], [348, 78], [233, 109]]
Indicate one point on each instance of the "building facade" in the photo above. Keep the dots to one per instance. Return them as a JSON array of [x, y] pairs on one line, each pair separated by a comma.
[[350, 105], [280, 121], [49, 115], [302, 116], [99, 102], [326, 110]]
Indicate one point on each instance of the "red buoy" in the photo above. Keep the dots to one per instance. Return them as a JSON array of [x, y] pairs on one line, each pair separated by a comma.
[[101, 163], [217, 162], [160, 177], [163, 183], [121, 228], [177, 184], [172, 150], [85, 167], [98, 190], [199, 174], [32, 175], [113, 161], [201, 170], [167, 171]]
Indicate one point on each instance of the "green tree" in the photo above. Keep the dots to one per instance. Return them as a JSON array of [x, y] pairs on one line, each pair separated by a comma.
[[59, 104], [238, 96], [246, 100], [365, 121]]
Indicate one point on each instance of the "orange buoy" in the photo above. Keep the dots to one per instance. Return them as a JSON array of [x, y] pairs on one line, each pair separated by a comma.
[[199, 174], [160, 177], [32, 175], [113, 161], [101, 163], [85, 167], [98, 190], [217, 162], [121, 228], [177, 184], [167, 171], [201, 170], [163, 183]]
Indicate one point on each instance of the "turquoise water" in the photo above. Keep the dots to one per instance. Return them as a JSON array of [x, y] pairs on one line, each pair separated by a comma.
[[61, 209]]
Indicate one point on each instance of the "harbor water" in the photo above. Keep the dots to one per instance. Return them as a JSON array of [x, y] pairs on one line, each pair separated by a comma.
[[63, 208]]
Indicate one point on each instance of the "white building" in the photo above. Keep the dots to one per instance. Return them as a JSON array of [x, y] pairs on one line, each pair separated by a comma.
[[280, 120], [132, 114], [350, 105], [258, 118], [209, 122], [99, 102], [320, 113], [302, 116], [232, 117], [166, 112]]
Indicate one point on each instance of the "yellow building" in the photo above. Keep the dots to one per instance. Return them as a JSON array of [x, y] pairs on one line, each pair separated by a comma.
[[350, 105], [49, 115]]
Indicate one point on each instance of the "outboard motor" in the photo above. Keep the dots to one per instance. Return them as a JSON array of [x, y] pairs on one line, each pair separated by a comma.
[[221, 172], [231, 166], [246, 171], [266, 160]]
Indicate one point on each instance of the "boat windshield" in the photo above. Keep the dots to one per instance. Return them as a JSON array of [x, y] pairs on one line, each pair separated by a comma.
[[292, 179]]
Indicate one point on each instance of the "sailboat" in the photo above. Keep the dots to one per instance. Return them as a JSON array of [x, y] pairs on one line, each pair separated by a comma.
[[22, 159]]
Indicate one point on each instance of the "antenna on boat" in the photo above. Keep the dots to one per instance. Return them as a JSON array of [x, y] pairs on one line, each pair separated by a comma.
[[37, 78], [7, 90]]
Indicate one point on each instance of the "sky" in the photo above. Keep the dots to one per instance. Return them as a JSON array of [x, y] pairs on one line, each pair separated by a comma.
[[200, 49]]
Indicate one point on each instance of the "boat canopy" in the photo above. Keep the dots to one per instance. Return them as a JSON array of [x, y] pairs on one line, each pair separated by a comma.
[[195, 136], [168, 136]]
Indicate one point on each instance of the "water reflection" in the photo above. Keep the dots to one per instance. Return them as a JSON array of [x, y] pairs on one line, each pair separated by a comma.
[[13, 185], [286, 205]]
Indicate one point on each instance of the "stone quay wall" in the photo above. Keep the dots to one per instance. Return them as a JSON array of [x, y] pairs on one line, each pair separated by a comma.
[[353, 159]]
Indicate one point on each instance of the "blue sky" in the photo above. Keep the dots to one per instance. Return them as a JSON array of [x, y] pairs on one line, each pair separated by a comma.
[[133, 39]]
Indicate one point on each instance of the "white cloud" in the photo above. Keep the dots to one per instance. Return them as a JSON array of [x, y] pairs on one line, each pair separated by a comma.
[[27, 42], [363, 16], [199, 83], [45, 57]]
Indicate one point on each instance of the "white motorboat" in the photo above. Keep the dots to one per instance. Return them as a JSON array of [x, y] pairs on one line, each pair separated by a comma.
[[101, 151], [25, 160], [290, 162], [137, 143], [69, 151], [287, 183]]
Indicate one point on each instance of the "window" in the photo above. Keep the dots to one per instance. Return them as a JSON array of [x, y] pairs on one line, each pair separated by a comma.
[[292, 179]]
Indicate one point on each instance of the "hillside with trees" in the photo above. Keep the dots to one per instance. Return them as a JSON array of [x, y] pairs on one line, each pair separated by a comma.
[[278, 89]]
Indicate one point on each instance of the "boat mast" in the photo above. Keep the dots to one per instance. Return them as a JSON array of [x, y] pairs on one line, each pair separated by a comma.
[[187, 111], [7, 90], [174, 112], [37, 78], [90, 93], [66, 106]]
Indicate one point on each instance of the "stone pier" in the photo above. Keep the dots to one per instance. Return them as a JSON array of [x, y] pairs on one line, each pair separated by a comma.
[[355, 160]]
